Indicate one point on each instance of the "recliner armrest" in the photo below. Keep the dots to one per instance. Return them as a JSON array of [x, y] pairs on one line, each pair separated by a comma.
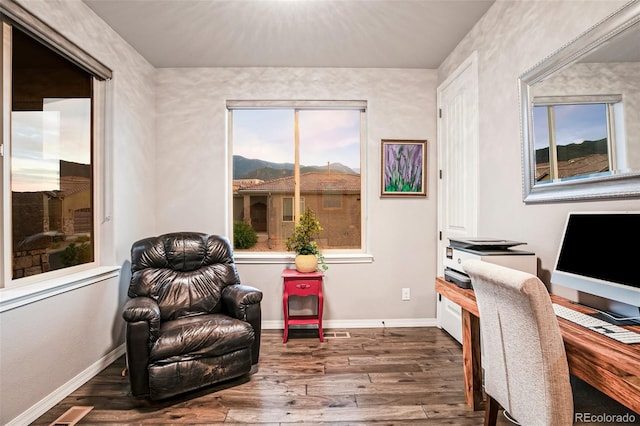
[[237, 298], [142, 315], [143, 309], [243, 303]]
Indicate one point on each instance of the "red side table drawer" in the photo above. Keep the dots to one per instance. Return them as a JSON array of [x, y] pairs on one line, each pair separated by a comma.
[[303, 287]]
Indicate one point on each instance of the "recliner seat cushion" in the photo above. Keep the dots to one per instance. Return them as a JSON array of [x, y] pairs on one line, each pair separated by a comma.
[[200, 336]]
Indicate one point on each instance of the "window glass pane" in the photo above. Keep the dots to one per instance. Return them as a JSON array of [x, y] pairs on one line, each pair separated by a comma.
[[580, 134], [581, 139], [541, 143], [332, 200], [263, 170], [51, 168], [287, 209], [330, 174], [263, 157]]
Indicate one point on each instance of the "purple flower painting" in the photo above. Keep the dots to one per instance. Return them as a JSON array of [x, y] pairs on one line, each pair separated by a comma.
[[403, 168]]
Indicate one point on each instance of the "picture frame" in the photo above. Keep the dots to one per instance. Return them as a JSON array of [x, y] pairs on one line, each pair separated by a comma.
[[403, 168]]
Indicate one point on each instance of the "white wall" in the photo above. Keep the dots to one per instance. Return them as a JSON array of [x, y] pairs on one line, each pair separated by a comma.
[[512, 37], [46, 344], [193, 178]]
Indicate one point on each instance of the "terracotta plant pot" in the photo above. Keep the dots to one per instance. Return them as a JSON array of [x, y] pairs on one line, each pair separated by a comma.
[[306, 262]]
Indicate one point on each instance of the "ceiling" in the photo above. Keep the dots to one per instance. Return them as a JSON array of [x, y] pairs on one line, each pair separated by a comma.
[[292, 33]]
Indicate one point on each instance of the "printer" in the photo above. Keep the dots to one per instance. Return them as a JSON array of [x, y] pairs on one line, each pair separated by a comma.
[[490, 250]]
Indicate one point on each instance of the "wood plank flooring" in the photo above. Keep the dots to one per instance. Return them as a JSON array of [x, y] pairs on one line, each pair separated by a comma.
[[377, 376], [392, 376]]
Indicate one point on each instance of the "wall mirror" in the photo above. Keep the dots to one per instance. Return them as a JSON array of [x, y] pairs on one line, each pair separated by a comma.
[[580, 112]]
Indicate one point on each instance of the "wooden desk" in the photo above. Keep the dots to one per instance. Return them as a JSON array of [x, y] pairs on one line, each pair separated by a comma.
[[302, 284], [607, 365]]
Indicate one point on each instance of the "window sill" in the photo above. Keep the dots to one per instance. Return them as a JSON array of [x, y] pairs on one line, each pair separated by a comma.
[[14, 297], [288, 258]]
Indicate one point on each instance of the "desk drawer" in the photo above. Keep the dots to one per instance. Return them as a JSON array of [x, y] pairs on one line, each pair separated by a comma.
[[303, 287]]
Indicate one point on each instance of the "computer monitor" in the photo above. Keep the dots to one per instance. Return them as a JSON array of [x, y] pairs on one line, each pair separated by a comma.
[[600, 255]]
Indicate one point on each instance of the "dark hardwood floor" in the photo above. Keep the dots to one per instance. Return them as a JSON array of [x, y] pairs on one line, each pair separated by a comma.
[[377, 376], [392, 376]]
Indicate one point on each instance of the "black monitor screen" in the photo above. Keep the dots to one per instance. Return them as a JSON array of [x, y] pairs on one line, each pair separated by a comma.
[[603, 246]]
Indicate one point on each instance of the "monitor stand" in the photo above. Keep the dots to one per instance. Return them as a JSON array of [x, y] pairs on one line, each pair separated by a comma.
[[614, 312]]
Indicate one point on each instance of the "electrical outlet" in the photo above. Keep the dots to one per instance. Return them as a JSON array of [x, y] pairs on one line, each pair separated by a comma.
[[406, 294]]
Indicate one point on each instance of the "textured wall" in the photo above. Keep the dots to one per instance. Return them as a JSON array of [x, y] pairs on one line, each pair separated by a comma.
[[50, 342], [193, 177], [512, 37]]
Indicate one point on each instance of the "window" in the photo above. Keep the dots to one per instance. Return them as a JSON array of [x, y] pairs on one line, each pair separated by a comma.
[[289, 159], [50, 119], [287, 209], [574, 140], [51, 165], [332, 200]]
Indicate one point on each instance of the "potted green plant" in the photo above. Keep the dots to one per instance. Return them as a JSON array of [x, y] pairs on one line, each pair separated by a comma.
[[302, 242]]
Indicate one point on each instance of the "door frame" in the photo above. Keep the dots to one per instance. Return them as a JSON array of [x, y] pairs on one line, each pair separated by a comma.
[[448, 314], [470, 63]]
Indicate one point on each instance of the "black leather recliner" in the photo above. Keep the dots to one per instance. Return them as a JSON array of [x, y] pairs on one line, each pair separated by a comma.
[[189, 322]]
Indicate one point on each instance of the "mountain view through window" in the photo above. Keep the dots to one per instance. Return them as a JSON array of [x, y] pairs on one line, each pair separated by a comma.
[[264, 189], [571, 141]]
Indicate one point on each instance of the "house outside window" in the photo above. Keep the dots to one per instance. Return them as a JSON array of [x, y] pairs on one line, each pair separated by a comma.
[[290, 159]]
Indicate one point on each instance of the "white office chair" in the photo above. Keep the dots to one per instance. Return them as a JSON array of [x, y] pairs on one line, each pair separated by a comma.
[[525, 364]]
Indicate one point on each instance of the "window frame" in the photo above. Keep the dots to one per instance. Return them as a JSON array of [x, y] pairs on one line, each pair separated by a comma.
[[49, 283], [346, 256]]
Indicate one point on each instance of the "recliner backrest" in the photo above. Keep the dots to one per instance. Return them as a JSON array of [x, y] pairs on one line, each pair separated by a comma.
[[184, 272]]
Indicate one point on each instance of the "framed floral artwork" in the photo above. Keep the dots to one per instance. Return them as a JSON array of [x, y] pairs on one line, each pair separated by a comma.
[[404, 168]]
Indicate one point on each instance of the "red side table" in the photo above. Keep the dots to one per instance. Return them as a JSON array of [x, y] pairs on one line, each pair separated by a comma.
[[302, 284]]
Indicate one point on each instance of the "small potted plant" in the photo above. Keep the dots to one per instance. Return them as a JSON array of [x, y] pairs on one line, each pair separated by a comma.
[[301, 242]]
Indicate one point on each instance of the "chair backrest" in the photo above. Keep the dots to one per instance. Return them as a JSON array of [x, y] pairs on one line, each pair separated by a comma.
[[523, 354], [185, 272]]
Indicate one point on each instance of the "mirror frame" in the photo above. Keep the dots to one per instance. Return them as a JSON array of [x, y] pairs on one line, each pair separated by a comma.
[[622, 185]]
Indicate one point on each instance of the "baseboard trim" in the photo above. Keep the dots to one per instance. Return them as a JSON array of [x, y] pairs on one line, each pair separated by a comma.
[[65, 390], [364, 323]]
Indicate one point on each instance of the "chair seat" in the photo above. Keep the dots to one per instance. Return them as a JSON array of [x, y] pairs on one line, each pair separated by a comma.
[[200, 336]]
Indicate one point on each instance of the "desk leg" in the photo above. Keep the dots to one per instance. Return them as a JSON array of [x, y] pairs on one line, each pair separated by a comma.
[[472, 364]]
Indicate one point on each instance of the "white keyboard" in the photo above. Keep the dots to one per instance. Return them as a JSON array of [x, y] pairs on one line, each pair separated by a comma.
[[615, 332]]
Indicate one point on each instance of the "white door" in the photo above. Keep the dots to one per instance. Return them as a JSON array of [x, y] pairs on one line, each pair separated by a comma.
[[458, 137]]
